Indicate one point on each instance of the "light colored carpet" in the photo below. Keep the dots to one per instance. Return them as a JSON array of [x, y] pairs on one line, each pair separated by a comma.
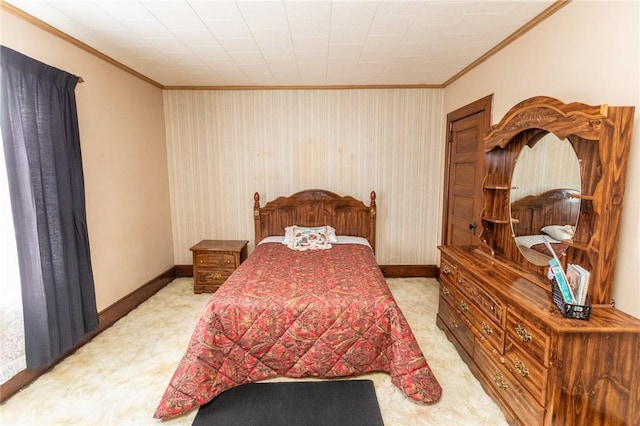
[[119, 377]]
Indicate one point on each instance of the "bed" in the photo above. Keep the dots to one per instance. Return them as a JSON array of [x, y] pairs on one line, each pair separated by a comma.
[[550, 216], [287, 311]]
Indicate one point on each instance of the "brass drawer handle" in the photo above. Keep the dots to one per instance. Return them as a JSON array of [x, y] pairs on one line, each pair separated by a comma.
[[500, 382], [522, 369], [492, 308], [201, 261], [486, 328], [445, 291], [523, 334], [453, 324], [215, 276], [463, 306], [446, 270], [228, 261], [460, 281]]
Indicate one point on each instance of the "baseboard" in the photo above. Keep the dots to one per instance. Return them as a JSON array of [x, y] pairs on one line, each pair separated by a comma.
[[407, 271], [128, 303], [106, 318], [184, 270]]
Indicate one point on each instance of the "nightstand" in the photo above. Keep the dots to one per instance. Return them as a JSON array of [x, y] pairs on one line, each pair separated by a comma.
[[214, 261]]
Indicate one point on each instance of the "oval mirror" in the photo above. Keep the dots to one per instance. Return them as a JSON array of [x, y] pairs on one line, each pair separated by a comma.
[[543, 210]]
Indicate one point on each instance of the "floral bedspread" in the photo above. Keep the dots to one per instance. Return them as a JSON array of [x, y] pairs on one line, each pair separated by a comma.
[[319, 313]]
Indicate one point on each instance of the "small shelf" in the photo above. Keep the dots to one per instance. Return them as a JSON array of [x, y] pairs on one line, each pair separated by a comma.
[[580, 245], [497, 220], [582, 196], [497, 187]]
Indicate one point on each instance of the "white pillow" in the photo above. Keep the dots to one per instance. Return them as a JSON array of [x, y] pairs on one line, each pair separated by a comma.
[[559, 232], [345, 239], [272, 239], [288, 233]]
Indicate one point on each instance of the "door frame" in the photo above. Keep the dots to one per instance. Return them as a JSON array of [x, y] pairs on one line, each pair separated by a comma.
[[484, 105]]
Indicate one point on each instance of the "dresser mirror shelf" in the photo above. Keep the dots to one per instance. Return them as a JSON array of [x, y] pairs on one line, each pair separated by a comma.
[[600, 136]]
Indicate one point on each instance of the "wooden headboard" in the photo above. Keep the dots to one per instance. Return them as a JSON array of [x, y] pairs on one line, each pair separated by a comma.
[[554, 207], [316, 207]]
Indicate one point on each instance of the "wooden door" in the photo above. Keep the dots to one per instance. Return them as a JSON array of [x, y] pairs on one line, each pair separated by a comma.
[[464, 172]]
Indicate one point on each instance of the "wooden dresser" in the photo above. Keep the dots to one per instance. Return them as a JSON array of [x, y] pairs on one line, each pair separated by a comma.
[[214, 261], [496, 303], [540, 367]]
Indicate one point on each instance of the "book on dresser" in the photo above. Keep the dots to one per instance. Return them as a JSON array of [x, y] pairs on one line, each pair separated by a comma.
[[578, 279], [561, 280]]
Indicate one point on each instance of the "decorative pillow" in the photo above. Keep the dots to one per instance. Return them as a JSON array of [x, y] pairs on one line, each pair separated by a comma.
[[559, 232], [316, 238], [288, 234]]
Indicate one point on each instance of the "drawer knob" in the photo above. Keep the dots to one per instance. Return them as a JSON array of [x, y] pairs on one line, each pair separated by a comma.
[[460, 281], [523, 334], [500, 382], [446, 270], [201, 261], [445, 291], [522, 369], [486, 328], [453, 324], [215, 276], [463, 306]]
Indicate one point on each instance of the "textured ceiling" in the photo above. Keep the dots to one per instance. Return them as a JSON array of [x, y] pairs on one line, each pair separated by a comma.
[[290, 43]]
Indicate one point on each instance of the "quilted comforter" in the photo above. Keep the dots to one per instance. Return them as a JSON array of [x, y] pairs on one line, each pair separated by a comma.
[[321, 313]]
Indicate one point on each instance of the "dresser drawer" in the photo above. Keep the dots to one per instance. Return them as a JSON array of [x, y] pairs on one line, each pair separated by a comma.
[[529, 372], [457, 326], [215, 260], [489, 304], [447, 291], [516, 396], [485, 327], [528, 336], [447, 271]]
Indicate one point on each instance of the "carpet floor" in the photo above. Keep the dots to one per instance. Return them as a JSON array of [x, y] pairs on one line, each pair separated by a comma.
[[119, 377]]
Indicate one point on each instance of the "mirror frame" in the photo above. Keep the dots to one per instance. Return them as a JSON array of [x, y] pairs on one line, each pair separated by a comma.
[[601, 138]]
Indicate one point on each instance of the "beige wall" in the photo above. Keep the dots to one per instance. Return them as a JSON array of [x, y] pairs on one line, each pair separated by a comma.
[[225, 145], [588, 52], [125, 162]]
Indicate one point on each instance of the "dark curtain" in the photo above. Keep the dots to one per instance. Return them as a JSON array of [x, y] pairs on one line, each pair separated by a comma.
[[46, 185]]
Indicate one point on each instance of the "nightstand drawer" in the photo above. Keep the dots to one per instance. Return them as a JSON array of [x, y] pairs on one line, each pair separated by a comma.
[[215, 260], [212, 276]]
